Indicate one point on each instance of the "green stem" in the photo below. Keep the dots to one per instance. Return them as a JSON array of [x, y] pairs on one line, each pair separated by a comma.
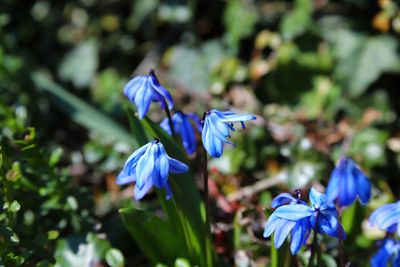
[[171, 124], [206, 205]]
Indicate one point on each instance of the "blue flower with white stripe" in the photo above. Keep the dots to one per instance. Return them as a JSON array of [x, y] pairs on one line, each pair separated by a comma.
[[322, 214], [348, 182], [216, 129], [299, 230], [148, 166], [143, 90], [387, 217], [182, 126]]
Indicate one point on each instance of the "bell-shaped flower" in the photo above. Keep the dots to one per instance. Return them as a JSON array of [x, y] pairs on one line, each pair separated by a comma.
[[142, 90], [322, 214], [389, 251], [148, 166], [216, 129], [182, 126], [348, 182], [387, 217], [299, 230]]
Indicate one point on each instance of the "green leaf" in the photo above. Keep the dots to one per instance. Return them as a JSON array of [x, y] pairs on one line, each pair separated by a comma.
[[154, 236], [137, 128], [297, 21], [362, 59], [352, 218], [80, 64], [14, 207], [55, 156], [240, 19], [202, 61], [280, 257], [182, 263], [81, 112], [114, 258]]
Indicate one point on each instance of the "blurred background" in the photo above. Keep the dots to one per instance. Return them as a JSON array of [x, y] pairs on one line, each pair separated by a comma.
[[322, 76]]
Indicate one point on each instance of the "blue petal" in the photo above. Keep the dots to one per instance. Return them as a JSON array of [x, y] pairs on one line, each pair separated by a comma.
[[293, 212], [145, 166], [133, 86], [347, 185], [188, 136], [162, 91], [238, 117], [333, 188], [328, 224], [165, 125], [219, 129], [161, 166], [212, 144], [124, 178], [270, 226], [363, 186], [389, 220], [281, 232], [131, 162], [169, 191], [175, 166], [317, 199], [196, 121], [379, 215], [282, 199], [143, 99], [299, 235], [381, 258], [140, 192]]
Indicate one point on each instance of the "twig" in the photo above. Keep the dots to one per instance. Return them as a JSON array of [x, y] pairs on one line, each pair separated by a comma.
[[255, 188]]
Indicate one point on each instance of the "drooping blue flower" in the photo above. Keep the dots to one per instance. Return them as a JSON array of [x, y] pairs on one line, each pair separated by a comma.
[[216, 129], [389, 251], [387, 217], [148, 166], [299, 230], [322, 214], [142, 90], [184, 128], [347, 182]]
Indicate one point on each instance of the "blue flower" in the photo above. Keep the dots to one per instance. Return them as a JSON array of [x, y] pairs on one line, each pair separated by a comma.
[[148, 166], [185, 129], [142, 90], [347, 182], [216, 129], [322, 215], [388, 251], [387, 217], [299, 230]]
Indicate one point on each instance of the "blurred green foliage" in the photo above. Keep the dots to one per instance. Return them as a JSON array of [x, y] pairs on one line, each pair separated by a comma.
[[322, 76]]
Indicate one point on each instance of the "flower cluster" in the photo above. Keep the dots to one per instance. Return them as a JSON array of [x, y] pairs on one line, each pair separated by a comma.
[[299, 219], [150, 164]]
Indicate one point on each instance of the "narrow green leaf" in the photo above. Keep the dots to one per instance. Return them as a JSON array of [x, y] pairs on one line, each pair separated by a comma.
[[188, 202], [81, 112], [154, 236], [137, 128]]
